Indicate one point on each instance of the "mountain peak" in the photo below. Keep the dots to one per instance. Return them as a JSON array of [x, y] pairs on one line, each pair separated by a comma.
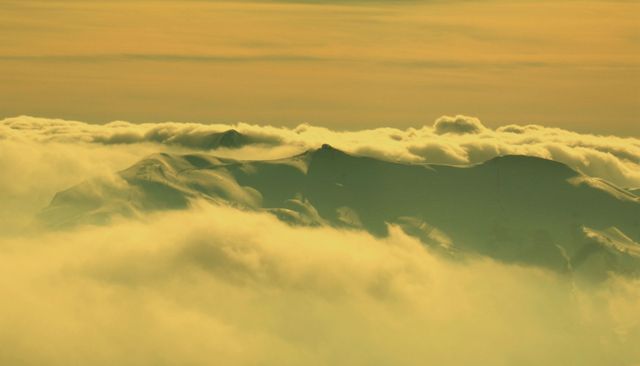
[[231, 139], [326, 150]]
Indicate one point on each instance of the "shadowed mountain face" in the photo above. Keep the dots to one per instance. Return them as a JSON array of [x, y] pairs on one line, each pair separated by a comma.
[[513, 208]]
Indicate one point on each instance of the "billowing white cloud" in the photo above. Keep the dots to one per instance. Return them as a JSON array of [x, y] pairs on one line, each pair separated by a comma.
[[452, 140], [458, 125], [196, 287]]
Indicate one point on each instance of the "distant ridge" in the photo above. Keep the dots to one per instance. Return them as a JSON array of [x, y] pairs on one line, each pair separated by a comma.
[[228, 139], [193, 139]]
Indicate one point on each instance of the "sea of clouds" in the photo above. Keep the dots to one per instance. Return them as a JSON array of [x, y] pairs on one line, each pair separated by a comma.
[[218, 285], [198, 287], [450, 140]]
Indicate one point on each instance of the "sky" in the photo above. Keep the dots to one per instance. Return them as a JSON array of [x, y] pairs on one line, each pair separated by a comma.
[[339, 64]]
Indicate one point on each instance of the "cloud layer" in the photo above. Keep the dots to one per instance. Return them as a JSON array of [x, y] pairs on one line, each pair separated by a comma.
[[451, 140], [196, 287]]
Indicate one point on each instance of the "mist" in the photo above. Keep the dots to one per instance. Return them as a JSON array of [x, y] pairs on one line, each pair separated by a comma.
[[196, 286]]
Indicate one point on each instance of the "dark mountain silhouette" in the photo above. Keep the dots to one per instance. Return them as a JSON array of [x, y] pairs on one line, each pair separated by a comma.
[[516, 209], [230, 139]]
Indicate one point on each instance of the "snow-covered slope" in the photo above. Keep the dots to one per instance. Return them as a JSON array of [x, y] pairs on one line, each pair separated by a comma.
[[513, 208]]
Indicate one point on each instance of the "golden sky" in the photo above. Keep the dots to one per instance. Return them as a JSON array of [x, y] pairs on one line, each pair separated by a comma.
[[344, 65]]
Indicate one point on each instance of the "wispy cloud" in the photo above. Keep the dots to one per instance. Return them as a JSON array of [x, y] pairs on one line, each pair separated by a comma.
[[162, 58], [334, 63]]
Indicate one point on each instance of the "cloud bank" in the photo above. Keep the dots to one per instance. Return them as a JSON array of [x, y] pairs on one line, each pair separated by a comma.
[[195, 287], [450, 140]]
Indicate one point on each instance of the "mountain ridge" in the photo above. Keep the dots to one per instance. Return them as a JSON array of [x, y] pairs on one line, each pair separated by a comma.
[[512, 208]]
